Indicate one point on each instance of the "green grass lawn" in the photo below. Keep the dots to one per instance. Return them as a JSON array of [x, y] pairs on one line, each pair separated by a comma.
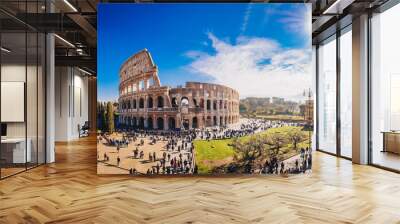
[[210, 154]]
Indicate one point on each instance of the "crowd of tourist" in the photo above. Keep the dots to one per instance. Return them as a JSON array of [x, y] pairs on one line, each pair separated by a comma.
[[249, 127], [177, 155], [299, 164]]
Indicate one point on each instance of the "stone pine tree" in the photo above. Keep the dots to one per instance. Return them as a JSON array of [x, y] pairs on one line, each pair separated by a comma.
[[110, 117], [101, 116], [104, 116], [295, 136], [276, 141]]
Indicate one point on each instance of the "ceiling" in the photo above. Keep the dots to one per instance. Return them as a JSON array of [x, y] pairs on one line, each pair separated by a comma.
[[329, 16], [75, 22]]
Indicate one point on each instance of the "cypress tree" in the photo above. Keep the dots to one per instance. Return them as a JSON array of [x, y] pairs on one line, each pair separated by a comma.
[[110, 117]]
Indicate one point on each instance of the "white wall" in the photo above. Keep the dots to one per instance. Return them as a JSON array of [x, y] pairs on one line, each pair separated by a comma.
[[33, 126], [16, 73], [11, 73], [71, 103]]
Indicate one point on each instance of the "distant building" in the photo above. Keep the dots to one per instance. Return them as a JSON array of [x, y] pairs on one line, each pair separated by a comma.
[[278, 100], [309, 111], [302, 108]]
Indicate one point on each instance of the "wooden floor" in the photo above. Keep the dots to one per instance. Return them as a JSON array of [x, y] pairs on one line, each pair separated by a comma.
[[70, 191]]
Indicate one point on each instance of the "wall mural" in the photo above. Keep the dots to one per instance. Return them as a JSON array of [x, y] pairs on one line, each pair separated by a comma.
[[194, 89]]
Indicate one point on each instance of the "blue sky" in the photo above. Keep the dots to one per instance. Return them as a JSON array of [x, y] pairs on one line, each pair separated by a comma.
[[266, 45]]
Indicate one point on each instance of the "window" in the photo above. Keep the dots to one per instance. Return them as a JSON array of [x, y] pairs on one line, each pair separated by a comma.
[[22, 65], [141, 85], [385, 89], [346, 93], [134, 87], [151, 82], [327, 96]]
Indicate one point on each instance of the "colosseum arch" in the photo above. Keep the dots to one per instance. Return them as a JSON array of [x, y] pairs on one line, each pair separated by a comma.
[[214, 105], [129, 122], [195, 102], [150, 123], [160, 101], [201, 103], [174, 102], [160, 123], [215, 120], [141, 123], [150, 102], [185, 124], [134, 104], [141, 103], [208, 104], [208, 121], [171, 123], [195, 122], [134, 120], [184, 101]]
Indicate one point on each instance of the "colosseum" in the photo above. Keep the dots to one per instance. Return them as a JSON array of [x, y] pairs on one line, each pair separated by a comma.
[[145, 104]]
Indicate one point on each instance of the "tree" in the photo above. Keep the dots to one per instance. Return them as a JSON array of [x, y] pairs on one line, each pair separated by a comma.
[[110, 117], [242, 108], [249, 151], [275, 141], [101, 116], [295, 136]]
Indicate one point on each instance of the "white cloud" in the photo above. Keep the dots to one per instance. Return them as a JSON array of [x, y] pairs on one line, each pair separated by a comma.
[[255, 66], [246, 17], [295, 19]]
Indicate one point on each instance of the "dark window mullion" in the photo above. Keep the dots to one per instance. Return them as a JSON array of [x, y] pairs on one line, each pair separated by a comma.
[[37, 90], [317, 97], [26, 86], [369, 90], [338, 81]]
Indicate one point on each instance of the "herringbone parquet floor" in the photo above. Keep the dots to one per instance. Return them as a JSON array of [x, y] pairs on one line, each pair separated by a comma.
[[70, 191]]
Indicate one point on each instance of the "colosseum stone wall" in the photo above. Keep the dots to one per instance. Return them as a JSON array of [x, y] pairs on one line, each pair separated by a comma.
[[145, 104]]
